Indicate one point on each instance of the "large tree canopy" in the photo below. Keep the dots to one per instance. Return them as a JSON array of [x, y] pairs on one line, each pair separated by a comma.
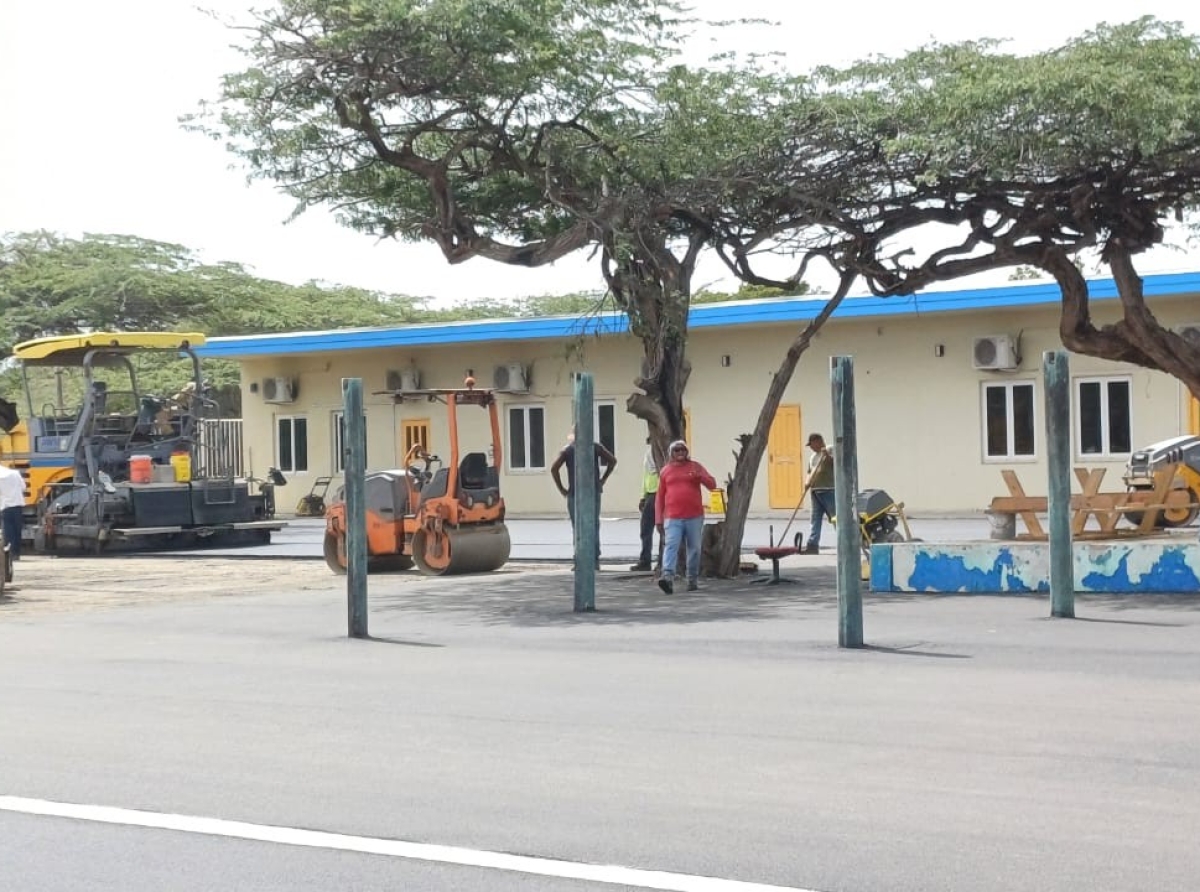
[[517, 131]]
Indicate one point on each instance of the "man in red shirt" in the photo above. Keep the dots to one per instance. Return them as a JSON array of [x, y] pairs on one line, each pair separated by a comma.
[[679, 510]]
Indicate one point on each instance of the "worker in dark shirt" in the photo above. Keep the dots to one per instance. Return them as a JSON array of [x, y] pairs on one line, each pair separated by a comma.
[[604, 460]]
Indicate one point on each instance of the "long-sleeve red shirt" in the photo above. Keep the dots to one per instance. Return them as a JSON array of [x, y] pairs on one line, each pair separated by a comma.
[[678, 496]]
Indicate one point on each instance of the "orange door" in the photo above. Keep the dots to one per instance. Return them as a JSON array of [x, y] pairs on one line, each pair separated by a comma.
[[785, 459]]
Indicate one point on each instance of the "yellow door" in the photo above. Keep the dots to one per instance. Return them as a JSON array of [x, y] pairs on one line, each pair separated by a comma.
[[412, 432], [785, 459], [1193, 415]]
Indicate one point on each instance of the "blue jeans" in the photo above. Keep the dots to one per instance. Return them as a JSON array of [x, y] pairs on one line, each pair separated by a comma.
[[690, 530], [13, 522], [822, 505]]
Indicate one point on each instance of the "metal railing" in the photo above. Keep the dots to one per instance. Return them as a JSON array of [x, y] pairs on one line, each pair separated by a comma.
[[219, 448]]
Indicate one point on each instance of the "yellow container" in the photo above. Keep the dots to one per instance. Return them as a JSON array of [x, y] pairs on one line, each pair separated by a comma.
[[182, 463], [716, 501]]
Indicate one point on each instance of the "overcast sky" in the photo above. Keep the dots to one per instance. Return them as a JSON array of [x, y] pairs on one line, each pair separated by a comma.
[[92, 91]]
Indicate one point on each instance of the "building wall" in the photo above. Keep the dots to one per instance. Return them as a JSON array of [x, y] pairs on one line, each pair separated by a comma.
[[919, 414]]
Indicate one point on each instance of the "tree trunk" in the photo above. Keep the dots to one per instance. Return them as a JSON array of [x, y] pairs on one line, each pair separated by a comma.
[[653, 287], [1138, 338], [741, 488]]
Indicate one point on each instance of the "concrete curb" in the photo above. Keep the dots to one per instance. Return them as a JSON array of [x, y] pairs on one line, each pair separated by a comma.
[[1111, 567]]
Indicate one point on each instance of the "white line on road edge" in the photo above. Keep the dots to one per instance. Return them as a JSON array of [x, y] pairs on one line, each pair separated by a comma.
[[548, 867]]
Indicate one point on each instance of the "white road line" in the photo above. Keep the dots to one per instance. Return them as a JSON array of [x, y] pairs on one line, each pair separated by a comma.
[[596, 873]]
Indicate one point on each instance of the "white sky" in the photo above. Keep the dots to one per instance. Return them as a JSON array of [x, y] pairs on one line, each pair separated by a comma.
[[92, 91]]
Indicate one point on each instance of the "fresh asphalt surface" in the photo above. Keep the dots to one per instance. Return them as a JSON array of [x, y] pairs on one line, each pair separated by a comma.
[[975, 744], [549, 539]]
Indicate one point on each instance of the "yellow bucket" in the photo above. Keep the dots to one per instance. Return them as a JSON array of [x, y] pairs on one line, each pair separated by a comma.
[[182, 463], [716, 501]]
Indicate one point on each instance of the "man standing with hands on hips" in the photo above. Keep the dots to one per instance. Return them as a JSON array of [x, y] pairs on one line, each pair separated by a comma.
[[679, 509]]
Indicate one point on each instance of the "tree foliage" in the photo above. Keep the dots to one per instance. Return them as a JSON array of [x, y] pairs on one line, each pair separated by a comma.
[[512, 130]]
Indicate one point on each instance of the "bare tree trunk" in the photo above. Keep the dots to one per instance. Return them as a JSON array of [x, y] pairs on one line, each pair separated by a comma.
[[1138, 338], [653, 287], [728, 559]]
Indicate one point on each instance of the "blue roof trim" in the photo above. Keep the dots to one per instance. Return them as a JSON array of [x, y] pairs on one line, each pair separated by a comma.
[[749, 312]]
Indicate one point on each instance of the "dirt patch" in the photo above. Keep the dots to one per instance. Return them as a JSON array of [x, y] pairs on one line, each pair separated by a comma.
[[44, 584]]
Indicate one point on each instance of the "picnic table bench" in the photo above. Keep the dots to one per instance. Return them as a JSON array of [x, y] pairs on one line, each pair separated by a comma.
[[1106, 509]]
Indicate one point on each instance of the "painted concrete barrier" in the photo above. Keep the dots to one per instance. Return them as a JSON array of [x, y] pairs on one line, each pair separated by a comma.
[[1134, 566]]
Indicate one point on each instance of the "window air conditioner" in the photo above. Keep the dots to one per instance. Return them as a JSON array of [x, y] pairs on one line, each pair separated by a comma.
[[405, 380], [279, 390], [511, 377], [996, 353]]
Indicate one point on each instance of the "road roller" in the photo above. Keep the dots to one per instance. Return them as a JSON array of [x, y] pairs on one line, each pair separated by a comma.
[[446, 517]]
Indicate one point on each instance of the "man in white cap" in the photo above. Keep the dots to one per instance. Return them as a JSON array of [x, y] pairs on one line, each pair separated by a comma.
[[679, 510]]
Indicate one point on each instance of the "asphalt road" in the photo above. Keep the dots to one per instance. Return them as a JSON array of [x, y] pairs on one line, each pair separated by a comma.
[[549, 539], [976, 744]]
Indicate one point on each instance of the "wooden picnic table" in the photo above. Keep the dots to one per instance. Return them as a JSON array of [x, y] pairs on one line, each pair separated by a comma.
[[1106, 508]]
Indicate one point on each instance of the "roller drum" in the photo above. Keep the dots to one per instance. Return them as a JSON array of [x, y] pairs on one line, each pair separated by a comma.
[[471, 549]]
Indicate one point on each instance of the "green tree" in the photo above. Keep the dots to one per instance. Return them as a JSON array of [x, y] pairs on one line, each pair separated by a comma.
[[963, 159], [516, 131]]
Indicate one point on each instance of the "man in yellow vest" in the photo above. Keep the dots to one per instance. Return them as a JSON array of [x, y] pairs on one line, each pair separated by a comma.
[[646, 506]]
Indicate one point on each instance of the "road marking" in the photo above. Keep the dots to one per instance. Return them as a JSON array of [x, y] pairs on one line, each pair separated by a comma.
[[611, 874]]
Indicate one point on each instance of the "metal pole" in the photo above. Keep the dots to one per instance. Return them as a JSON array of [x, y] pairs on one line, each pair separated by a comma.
[[587, 515], [354, 444], [845, 494], [1058, 458]]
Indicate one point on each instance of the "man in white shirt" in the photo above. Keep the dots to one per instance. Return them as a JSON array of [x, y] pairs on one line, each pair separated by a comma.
[[12, 504]]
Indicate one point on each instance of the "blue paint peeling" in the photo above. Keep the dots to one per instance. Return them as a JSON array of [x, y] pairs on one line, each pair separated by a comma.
[[935, 572], [1170, 573]]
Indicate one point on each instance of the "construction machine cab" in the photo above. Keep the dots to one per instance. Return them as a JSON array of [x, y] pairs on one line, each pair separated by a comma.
[[137, 472]]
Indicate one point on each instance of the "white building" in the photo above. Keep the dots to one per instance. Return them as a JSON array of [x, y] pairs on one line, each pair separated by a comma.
[[948, 385]]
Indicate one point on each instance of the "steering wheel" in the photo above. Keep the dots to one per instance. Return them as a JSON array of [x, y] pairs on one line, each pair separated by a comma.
[[420, 476]]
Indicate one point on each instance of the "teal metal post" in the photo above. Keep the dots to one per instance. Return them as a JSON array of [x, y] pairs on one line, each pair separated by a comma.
[[354, 442], [845, 494], [587, 515], [1058, 458]]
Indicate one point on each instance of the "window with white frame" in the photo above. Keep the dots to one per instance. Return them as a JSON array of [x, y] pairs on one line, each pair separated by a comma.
[[527, 438], [337, 431], [604, 420], [1103, 419], [1009, 420], [291, 443]]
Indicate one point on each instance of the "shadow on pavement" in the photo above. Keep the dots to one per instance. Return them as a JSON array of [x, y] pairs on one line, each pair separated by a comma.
[[546, 598]]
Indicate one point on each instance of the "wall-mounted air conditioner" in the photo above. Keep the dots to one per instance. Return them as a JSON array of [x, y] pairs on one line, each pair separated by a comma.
[[511, 377], [996, 353], [405, 380], [279, 389]]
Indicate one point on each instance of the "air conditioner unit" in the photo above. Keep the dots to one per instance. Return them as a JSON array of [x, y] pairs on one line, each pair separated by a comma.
[[1189, 332], [405, 380], [511, 377], [996, 353], [279, 390]]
